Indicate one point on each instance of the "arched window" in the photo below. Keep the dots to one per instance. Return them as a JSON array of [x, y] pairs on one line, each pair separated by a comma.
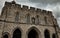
[[17, 16], [54, 36], [46, 34], [33, 34], [33, 20], [37, 19], [28, 18], [17, 33], [5, 35]]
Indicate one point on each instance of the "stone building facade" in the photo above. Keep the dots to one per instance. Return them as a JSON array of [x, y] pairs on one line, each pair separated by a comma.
[[18, 21]]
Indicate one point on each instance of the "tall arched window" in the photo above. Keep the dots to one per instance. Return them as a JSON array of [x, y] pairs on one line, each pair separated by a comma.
[[17, 16], [37, 19], [28, 18], [54, 36], [33, 34], [33, 20], [46, 34], [17, 33]]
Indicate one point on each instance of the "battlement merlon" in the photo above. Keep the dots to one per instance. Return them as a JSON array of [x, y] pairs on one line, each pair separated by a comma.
[[25, 7]]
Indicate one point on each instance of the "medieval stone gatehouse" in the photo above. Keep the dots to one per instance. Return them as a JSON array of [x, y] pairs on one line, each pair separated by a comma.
[[22, 22]]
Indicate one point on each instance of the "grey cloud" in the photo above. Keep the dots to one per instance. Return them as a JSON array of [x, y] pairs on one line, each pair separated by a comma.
[[45, 1]]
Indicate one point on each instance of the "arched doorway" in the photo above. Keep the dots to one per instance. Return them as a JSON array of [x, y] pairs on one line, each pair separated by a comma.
[[17, 33], [33, 34], [46, 34]]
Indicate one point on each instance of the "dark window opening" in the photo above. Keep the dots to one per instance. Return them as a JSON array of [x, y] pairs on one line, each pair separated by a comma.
[[53, 36], [5, 36], [32, 34], [17, 33], [47, 34], [17, 17], [33, 20]]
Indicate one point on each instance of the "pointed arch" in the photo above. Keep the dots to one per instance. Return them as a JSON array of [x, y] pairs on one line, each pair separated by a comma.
[[17, 33], [47, 33], [33, 32]]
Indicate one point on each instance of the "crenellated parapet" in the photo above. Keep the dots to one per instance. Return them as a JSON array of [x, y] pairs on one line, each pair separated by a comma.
[[24, 7]]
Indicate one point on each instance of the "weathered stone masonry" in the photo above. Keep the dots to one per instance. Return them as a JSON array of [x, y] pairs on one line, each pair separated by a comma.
[[26, 22]]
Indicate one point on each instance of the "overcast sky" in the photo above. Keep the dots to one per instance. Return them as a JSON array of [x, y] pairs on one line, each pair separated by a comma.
[[51, 5]]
